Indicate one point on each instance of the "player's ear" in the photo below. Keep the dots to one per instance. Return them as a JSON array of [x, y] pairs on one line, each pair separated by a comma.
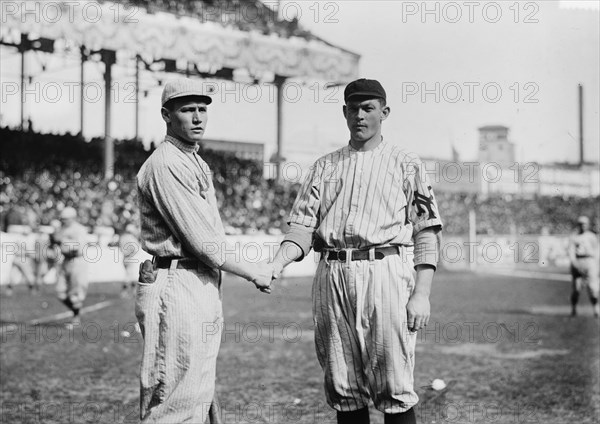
[[385, 112], [166, 115], [345, 111]]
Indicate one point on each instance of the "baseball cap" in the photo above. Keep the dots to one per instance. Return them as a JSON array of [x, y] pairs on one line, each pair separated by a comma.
[[365, 88], [583, 220], [68, 213], [182, 87]]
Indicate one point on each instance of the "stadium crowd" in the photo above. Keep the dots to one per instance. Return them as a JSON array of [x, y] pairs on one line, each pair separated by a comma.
[[41, 174]]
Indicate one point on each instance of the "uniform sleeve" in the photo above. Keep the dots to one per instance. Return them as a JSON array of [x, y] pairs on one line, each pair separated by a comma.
[[421, 209], [176, 194], [427, 247], [300, 236], [304, 218]]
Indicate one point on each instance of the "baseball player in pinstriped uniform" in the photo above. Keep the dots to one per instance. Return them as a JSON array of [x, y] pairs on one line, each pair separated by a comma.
[[180, 312], [583, 253], [360, 206]]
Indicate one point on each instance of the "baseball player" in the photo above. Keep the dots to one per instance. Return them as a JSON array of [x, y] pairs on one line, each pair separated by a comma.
[[583, 254], [24, 264], [129, 245], [72, 285], [360, 207], [180, 312]]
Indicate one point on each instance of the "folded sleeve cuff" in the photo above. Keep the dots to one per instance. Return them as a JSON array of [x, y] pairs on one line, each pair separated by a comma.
[[427, 247], [301, 236]]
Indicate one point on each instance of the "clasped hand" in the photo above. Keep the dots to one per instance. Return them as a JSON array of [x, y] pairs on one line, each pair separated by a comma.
[[265, 272]]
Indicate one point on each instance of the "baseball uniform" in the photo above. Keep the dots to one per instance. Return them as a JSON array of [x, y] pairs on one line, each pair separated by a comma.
[[130, 245], [365, 200], [584, 263], [72, 287], [180, 314]]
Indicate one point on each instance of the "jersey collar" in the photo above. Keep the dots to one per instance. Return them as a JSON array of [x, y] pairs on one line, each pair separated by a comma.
[[377, 149], [185, 147]]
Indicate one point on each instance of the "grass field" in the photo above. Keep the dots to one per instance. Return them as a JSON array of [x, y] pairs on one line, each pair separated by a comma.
[[505, 346]]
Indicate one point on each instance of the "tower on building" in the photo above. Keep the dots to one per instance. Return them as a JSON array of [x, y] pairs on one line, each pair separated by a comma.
[[494, 145]]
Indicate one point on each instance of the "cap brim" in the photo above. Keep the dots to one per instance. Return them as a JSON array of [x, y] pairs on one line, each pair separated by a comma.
[[368, 94], [206, 99]]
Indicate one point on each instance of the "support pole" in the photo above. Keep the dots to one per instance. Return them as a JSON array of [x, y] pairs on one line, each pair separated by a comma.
[[23, 48], [581, 152], [279, 81], [472, 240], [81, 90], [137, 97], [108, 57]]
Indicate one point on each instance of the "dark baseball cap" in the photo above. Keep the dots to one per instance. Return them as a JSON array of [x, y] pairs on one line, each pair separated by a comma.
[[364, 88]]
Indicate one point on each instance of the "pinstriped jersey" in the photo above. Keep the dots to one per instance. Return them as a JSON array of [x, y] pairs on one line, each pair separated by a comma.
[[360, 199], [178, 207]]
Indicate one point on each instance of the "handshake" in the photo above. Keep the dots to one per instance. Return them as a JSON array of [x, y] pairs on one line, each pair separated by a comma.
[[261, 274], [264, 274]]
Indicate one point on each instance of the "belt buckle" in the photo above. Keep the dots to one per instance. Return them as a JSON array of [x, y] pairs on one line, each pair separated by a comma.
[[348, 256], [371, 254]]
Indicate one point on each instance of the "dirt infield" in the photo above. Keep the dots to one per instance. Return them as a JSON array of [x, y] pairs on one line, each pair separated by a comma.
[[505, 346]]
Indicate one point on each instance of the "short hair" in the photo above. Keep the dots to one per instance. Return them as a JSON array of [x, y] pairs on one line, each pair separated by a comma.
[[170, 105]]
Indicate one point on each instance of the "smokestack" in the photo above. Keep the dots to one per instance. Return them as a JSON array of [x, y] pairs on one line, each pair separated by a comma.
[[581, 157]]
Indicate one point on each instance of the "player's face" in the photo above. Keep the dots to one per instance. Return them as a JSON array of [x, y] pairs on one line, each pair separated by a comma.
[[364, 118], [187, 118]]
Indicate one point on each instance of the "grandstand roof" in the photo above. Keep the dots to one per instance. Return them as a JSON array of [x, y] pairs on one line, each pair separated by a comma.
[[154, 32]]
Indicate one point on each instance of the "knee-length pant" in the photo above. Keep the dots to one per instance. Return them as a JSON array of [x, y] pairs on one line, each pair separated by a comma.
[[361, 334], [180, 316]]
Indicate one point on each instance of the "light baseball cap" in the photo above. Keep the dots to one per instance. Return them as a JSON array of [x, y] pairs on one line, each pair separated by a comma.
[[183, 87], [68, 213], [583, 220]]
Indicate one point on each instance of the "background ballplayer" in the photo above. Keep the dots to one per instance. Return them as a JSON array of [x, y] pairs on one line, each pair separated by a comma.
[[583, 253]]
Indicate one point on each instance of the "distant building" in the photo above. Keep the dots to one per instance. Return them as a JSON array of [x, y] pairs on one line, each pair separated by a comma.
[[494, 145], [497, 172]]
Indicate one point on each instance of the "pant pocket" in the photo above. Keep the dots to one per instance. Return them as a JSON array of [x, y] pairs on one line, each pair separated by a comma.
[[147, 299]]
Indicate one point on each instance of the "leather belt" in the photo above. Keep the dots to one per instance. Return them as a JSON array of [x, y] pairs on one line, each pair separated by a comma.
[[583, 256], [362, 255], [182, 263]]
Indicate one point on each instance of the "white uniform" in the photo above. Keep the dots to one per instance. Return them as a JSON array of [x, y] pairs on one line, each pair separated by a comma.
[[361, 200], [74, 281], [584, 266]]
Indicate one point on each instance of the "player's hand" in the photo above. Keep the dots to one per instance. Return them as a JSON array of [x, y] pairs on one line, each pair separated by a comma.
[[147, 273], [418, 311], [277, 269], [263, 274]]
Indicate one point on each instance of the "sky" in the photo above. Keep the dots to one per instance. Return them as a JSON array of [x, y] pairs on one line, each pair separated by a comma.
[[448, 68]]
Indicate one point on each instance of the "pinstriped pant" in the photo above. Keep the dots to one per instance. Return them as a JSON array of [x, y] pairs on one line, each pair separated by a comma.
[[361, 336], [180, 316]]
